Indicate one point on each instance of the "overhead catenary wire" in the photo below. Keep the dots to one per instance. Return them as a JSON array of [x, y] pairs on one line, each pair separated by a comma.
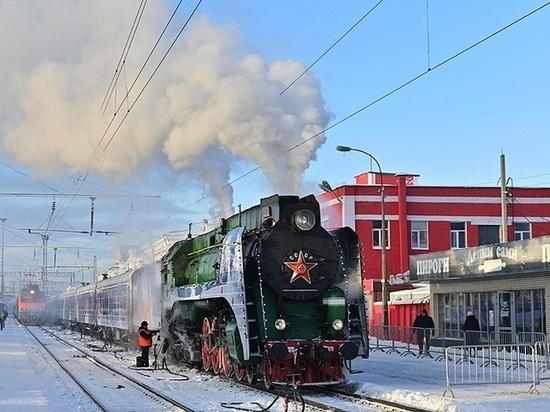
[[428, 33], [123, 56], [125, 100], [420, 75], [331, 47], [83, 176], [150, 78]]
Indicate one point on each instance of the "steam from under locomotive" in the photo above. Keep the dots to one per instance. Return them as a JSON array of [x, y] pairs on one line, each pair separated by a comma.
[[211, 105]]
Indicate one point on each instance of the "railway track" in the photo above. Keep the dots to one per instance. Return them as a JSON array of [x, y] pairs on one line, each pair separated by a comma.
[[221, 397], [328, 398], [304, 399], [104, 385], [334, 400]]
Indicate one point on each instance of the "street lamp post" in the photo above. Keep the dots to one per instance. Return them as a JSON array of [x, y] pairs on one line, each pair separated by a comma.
[[383, 234]]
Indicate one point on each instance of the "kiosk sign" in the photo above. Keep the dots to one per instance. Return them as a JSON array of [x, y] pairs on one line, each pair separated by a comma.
[[529, 255]]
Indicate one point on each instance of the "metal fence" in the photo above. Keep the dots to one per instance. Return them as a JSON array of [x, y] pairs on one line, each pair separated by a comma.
[[466, 365], [472, 357], [405, 340]]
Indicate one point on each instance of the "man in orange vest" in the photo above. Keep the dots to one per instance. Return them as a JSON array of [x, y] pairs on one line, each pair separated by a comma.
[[145, 341]]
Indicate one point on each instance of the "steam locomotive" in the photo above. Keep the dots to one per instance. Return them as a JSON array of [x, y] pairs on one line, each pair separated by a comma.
[[269, 293], [30, 306]]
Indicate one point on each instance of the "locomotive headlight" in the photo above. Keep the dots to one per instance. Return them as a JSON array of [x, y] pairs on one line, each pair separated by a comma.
[[337, 324], [304, 219], [280, 324]]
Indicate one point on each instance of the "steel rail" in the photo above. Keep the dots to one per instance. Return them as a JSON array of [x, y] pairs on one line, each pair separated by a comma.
[[98, 362]]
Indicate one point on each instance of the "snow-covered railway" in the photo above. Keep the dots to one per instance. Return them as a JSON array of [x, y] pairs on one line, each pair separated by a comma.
[[109, 388]]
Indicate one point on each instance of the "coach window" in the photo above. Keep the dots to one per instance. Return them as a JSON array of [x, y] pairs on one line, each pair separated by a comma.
[[458, 235], [377, 234], [419, 235], [522, 231]]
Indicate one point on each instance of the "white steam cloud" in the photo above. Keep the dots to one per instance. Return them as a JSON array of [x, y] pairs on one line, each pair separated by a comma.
[[210, 105]]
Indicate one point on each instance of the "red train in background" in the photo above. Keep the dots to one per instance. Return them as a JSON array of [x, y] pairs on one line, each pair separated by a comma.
[[30, 306]]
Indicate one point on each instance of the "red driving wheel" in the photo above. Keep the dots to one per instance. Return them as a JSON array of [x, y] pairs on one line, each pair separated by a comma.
[[225, 362], [240, 371], [206, 346]]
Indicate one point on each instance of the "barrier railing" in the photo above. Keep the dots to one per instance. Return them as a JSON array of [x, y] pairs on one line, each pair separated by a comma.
[[472, 357], [531, 337], [542, 351], [405, 339], [495, 363]]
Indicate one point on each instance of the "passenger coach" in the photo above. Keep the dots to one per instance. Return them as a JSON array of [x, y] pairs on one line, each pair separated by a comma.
[[113, 308]]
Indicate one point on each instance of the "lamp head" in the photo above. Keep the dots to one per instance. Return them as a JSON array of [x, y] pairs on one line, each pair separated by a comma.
[[343, 148], [325, 186]]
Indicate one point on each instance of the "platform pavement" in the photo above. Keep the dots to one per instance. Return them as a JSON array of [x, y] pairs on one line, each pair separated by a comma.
[[28, 382]]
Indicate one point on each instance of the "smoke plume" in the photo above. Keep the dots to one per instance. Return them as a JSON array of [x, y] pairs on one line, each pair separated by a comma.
[[210, 104]]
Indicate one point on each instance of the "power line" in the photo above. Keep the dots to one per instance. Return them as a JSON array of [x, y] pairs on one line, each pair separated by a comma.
[[157, 67], [75, 195], [123, 56], [419, 76], [83, 176], [28, 177], [331, 47]]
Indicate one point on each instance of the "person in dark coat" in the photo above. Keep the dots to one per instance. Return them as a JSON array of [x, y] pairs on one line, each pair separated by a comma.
[[424, 328], [145, 341], [3, 315], [471, 329]]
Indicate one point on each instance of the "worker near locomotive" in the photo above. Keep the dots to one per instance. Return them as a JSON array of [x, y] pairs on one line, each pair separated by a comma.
[[145, 341], [269, 294]]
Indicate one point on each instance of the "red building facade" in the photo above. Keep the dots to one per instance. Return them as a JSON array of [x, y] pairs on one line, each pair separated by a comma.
[[425, 219]]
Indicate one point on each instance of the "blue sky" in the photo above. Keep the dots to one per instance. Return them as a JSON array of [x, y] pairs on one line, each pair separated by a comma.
[[451, 125], [188, 136]]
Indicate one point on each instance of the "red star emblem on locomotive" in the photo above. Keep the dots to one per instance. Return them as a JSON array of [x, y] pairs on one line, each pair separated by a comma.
[[300, 268]]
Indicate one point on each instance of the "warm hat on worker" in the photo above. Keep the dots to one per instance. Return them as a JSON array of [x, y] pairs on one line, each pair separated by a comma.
[[144, 323], [424, 311], [469, 313]]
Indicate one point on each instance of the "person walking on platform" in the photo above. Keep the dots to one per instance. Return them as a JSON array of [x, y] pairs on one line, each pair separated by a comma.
[[2, 318], [471, 329], [145, 341], [423, 327]]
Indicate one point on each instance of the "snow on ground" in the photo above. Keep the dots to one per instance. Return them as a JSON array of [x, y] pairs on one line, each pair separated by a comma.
[[421, 382], [28, 382]]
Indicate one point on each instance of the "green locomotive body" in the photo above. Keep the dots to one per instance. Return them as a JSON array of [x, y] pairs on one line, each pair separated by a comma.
[[269, 293]]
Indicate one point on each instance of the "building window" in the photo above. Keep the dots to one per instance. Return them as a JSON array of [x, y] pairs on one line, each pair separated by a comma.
[[377, 234], [522, 231], [526, 317], [488, 234], [419, 235], [458, 235]]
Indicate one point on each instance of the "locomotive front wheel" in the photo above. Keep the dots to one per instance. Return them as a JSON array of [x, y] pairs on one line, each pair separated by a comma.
[[206, 346], [267, 372], [240, 371], [250, 375]]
